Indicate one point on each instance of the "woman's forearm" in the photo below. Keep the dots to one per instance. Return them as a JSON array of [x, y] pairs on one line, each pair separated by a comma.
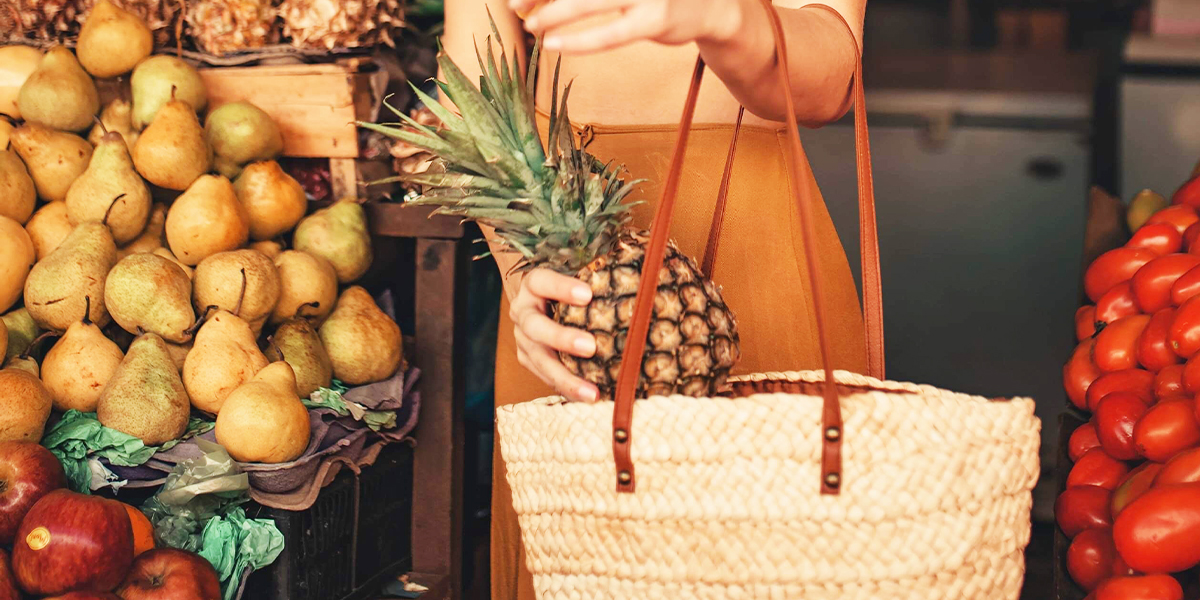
[[820, 57]]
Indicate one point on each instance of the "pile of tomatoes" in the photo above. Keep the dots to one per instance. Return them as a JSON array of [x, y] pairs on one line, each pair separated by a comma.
[[1132, 502]]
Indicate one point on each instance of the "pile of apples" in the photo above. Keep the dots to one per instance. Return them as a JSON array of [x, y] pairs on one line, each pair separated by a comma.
[[1132, 502], [71, 546]]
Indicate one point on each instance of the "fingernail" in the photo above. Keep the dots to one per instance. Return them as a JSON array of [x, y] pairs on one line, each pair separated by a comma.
[[582, 294], [585, 346], [550, 43], [587, 393]]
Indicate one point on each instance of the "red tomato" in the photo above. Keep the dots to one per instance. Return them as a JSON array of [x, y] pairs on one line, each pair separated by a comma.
[[1080, 372], [1136, 483], [1097, 468], [1153, 350], [1081, 508], [1084, 438], [1120, 567], [1167, 429], [1152, 283], [1186, 286], [1191, 375], [1143, 587], [1189, 236], [1091, 556], [1161, 239], [1138, 381], [1116, 416], [1182, 468], [1188, 193], [1181, 216], [1160, 532], [1085, 322], [1185, 331], [1116, 303], [1114, 267], [1116, 345], [1168, 381]]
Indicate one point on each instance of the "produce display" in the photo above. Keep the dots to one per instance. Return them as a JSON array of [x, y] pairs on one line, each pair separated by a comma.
[[1131, 506]]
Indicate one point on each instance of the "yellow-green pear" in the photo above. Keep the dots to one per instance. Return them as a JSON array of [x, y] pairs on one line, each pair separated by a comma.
[[17, 63], [48, 227], [152, 237], [22, 330], [57, 288], [112, 41], [308, 287], [24, 406], [298, 344], [54, 158], [146, 292], [205, 220], [159, 79], [171, 152], [243, 282], [110, 174], [273, 199], [117, 116], [338, 234], [17, 258], [239, 133], [224, 355], [79, 365], [163, 252], [59, 94], [145, 397], [363, 343], [17, 194], [263, 420]]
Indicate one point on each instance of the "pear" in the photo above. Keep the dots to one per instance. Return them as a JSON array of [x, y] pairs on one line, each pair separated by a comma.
[[54, 159], [21, 332], [79, 365], [59, 94], [57, 287], [146, 292], [338, 234], [163, 252], [240, 132], [244, 282], [171, 152], [112, 41], [159, 79], [308, 287], [48, 227], [224, 355], [145, 397], [152, 237], [17, 257], [273, 199], [264, 421], [17, 63], [110, 174], [363, 343], [3, 335], [1142, 207], [17, 194], [297, 343], [271, 248], [179, 354], [24, 406], [6, 129], [205, 220], [118, 117]]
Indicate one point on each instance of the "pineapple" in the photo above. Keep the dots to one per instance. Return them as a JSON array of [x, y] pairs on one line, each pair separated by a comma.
[[224, 26], [330, 24], [561, 208]]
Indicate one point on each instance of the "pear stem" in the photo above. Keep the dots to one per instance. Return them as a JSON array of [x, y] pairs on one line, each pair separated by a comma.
[[108, 212], [37, 340], [172, 91], [271, 343], [87, 310], [103, 129], [237, 311], [299, 309], [191, 331]]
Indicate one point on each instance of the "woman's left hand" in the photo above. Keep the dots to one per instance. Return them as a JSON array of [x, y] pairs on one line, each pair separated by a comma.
[[664, 21]]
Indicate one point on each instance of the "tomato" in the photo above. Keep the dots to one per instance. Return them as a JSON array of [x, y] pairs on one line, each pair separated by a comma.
[[1081, 508], [1160, 238], [1084, 438], [1169, 380], [1143, 587], [1189, 236], [1182, 468], [1181, 216], [1138, 381], [1136, 483], [1116, 345], [1116, 416], [1153, 350], [1160, 532], [1186, 286], [1185, 331], [1112, 268], [1188, 193], [1097, 468], [1116, 303], [1152, 283], [1085, 322], [1191, 375], [1080, 372], [1120, 568], [1091, 556], [1167, 429]]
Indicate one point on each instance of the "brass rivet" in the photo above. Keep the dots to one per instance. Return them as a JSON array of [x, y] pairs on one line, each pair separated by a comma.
[[832, 434], [832, 480], [621, 435], [624, 477]]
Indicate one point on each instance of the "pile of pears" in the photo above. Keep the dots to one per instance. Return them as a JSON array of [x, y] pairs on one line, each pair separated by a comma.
[[167, 268]]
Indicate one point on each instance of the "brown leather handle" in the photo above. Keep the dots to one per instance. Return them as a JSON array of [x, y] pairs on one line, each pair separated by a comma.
[[660, 230]]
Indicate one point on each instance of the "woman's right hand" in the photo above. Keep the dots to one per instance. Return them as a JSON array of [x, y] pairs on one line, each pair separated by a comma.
[[539, 338]]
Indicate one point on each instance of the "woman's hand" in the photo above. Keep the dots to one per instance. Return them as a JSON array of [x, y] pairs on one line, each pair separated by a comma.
[[540, 338], [664, 21]]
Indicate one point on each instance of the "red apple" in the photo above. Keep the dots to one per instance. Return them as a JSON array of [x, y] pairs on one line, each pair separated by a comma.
[[8, 586], [73, 542], [171, 574], [86, 596], [28, 471]]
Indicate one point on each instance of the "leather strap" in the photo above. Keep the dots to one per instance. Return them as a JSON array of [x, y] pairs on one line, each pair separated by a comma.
[[718, 220]]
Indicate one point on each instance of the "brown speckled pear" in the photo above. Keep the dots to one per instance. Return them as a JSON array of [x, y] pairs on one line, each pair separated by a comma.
[[171, 152], [298, 344], [110, 174], [59, 93], [153, 236], [17, 257], [117, 116], [273, 199], [112, 41], [224, 356], [17, 195], [163, 252], [55, 159], [308, 287], [146, 292], [145, 397], [263, 421], [338, 234], [271, 248], [79, 365], [363, 343], [57, 288], [205, 220], [242, 278], [48, 227], [24, 406]]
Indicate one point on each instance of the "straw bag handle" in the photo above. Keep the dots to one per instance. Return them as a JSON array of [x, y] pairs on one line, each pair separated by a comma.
[[660, 230]]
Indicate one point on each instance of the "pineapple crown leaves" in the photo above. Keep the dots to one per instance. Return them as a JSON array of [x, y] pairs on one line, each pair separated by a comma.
[[556, 205]]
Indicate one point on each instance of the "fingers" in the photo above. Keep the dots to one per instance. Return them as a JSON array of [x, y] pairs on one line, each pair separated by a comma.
[[549, 285], [632, 27], [564, 12], [542, 361]]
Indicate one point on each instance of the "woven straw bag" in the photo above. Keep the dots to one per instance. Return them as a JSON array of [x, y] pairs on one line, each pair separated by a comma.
[[804, 485]]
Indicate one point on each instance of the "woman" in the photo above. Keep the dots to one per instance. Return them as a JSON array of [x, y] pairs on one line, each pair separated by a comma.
[[631, 63]]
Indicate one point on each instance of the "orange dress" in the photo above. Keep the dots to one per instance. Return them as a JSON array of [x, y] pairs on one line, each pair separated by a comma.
[[760, 266]]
